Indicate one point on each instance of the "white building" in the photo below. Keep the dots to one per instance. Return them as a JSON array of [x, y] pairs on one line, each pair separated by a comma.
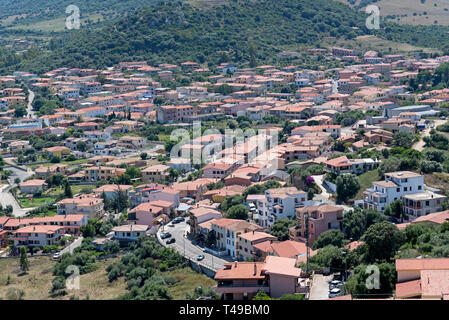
[[395, 187], [280, 203]]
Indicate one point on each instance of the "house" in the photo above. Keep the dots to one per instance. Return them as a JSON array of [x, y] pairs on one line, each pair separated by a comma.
[[243, 280], [422, 203], [151, 192], [37, 236], [378, 136], [201, 214], [86, 205], [343, 165], [33, 186], [44, 172], [128, 234], [425, 278], [58, 151], [321, 218], [111, 190], [155, 173], [146, 214]]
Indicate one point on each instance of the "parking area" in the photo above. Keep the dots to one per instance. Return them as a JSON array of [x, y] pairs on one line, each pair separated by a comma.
[[324, 287]]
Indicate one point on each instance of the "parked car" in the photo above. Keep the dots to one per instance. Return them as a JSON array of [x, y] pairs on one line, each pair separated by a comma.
[[165, 235], [170, 241], [57, 256], [334, 293], [200, 257], [181, 219], [335, 284]]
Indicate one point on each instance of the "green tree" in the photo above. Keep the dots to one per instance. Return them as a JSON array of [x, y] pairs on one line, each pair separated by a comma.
[[331, 237], [24, 264], [382, 240], [347, 186], [280, 228], [239, 211]]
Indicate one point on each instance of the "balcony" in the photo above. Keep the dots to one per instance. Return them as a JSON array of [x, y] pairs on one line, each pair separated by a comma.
[[241, 288]]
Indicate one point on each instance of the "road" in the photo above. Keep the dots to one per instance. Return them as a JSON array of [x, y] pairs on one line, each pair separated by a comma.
[[30, 111], [6, 198], [324, 196], [420, 144], [75, 244], [320, 287], [187, 249]]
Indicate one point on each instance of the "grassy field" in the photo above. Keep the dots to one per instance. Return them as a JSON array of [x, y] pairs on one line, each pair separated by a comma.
[[52, 25], [188, 281], [70, 163], [93, 286], [75, 189], [371, 42], [366, 181], [38, 281], [35, 202]]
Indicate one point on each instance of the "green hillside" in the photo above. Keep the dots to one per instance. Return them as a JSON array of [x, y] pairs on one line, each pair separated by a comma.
[[238, 31]]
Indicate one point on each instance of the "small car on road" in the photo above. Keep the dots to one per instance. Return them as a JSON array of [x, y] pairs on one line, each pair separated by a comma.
[[165, 235], [170, 241], [199, 257], [57, 256]]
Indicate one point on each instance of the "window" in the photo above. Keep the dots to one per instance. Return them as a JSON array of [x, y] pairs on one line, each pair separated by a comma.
[[419, 187]]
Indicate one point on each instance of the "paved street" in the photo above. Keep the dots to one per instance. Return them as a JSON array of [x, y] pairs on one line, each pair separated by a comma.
[[75, 244], [6, 198], [186, 248], [320, 287]]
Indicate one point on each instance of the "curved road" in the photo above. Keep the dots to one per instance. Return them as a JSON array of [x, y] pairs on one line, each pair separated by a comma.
[[185, 247], [6, 198]]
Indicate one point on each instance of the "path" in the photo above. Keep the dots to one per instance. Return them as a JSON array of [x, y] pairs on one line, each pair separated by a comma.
[[420, 144]]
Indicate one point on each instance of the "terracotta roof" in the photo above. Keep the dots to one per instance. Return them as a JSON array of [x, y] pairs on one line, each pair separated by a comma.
[[281, 266], [422, 264], [241, 270], [256, 235], [289, 248], [408, 289]]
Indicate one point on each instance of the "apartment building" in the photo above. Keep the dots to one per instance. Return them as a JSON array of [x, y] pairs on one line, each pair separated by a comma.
[[170, 114], [37, 236], [200, 215], [246, 242], [128, 234], [321, 218], [33, 186], [227, 232], [280, 203], [399, 184], [86, 205], [152, 192]]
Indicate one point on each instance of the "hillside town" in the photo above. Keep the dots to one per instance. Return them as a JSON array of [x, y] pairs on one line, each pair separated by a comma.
[[271, 180]]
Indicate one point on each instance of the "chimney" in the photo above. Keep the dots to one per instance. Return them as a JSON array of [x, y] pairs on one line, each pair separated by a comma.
[[255, 269], [235, 264], [253, 232], [34, 228]]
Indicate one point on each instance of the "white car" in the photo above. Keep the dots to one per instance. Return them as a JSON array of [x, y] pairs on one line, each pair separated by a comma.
[[57, 256], [334, 293]]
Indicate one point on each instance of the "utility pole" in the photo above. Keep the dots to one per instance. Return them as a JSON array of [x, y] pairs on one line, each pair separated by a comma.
[[306, 221]]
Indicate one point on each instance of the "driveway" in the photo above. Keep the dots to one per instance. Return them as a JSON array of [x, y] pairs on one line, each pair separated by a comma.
[[75, 244], [420, 144], [185, 247], [324, 196], [320, 287]]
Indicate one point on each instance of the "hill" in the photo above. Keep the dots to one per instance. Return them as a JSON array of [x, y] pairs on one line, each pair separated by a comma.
[[236, 31], [50, 15], [412, 12]]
